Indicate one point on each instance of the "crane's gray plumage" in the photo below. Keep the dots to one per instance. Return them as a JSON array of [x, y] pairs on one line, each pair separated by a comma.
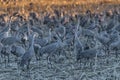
[[61, 31], [78, 47], [37, 49], [26, 58], [18, 51], [37, 30], [5, 52], [89, 53], [87, 32], [10, 40], [45, 40], [115, 46], [51, 48], [103, 38]]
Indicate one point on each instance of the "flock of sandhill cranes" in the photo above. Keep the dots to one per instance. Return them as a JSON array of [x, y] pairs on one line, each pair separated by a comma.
[[87, 36]]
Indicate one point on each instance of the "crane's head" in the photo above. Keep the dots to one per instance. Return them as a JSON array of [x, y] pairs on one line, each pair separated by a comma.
[[13, 48], [35, 34]]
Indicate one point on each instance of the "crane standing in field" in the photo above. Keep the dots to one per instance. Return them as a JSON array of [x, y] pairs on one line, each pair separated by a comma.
[[78, 47], [5, 53], [27, 57], [51, 49]]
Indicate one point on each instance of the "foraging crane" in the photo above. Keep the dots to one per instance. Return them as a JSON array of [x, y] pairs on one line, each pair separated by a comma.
[[51, 49], [90, 54], [10, 40], [18, 51]]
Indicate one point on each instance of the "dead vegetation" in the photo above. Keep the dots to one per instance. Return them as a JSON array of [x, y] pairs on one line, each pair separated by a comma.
[[78, 6]]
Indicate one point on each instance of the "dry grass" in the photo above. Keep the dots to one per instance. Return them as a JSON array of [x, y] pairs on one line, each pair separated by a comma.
[[46, 4], [56, 2]]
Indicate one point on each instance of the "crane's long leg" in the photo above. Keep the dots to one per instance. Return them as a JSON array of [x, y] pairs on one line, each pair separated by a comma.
[[116, 53], [2, 58], [8, 59], [48, 61], [5, 62], [96, 58], [18, 70], [28, 68]]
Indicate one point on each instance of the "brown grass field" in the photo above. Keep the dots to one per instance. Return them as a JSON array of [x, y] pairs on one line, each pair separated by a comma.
[[77, 6]]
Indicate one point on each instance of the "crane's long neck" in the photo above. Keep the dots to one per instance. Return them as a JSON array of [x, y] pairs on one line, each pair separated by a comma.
[[28, 27], [50, 35], [17, 35], [32, 42]]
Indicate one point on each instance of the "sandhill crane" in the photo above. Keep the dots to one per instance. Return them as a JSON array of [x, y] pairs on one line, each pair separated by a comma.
[[61, 31], [90, 54], [116, 46], [57, 13], [45, 40], [77, 44], [5, 33], [18, 51], [46, 19], [27, 57], [69, 42], [24, 39], [10, 40], [23, 28], [110, 25], [104, 39], [78, 47], [117, 27], [37, 30], [33, 16], [87, 32], [52, 48], [14, 27], [114, 36], [5, 29], [93, 25], [5, 52], [83, 21], [37, 49], [0, 51]]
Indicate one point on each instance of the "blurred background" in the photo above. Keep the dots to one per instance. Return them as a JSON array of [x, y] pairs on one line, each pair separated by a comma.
[[48, 5]]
